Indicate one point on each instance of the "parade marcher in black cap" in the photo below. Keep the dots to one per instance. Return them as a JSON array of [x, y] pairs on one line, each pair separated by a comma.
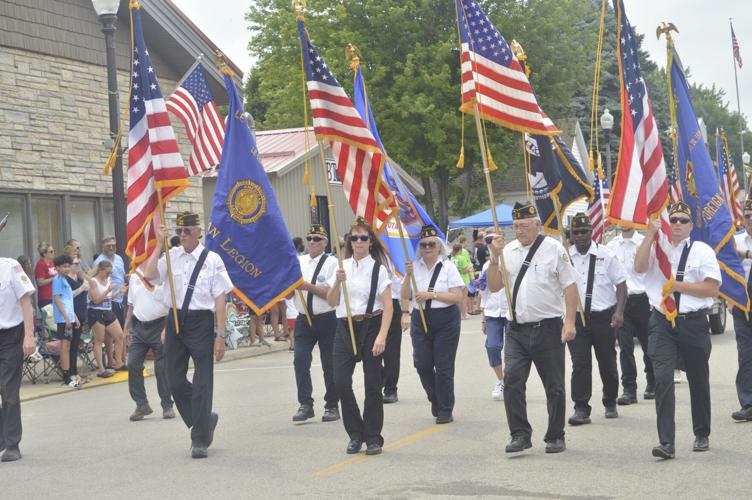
[[603, 295], [201, 283], [698, 279], [371, 308], [439, 291], [317, 268], [636, 316], [543, 288], [16, 343], [743, 325]]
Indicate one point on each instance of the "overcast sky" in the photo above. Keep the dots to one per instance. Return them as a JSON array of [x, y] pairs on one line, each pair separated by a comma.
[[704, 41]]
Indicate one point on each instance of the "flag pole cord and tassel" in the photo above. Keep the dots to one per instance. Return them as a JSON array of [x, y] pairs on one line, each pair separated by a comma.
[[353, 53], [170, 278], [594, 162], [299, 6]]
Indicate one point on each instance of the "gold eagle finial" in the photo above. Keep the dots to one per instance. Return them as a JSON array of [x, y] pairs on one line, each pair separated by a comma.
[[352, 54], [665, 29]]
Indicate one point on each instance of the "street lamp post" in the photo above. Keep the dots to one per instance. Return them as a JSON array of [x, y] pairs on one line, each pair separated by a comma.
[[107, 12], [747, 170], [607, 124]]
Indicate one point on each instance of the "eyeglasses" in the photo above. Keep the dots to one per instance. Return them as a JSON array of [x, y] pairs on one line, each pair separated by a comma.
[[316, 239], [427, 244], [362, 237], [183, 230], [580, 232], [489, 239], [679, 220]]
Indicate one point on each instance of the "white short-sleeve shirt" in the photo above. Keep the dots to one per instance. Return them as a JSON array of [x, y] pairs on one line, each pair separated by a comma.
[[307, 267], [541, 292], [494, 305], [448, 278], [608, 273], [14, 285], [625, 250], [212, 282], [147, 305], [359, 285], [743, 244], [701, 264]]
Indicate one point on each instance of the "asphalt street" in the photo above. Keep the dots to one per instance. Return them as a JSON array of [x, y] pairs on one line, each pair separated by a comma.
[[82, 445]]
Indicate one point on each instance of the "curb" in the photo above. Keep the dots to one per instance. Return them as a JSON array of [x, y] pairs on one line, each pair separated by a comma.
[[52, 389]]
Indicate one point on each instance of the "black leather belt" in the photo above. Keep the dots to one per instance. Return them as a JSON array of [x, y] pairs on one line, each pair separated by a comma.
[[149, 324], [361, 317], [534, 324], [686, 316], [11, 329]]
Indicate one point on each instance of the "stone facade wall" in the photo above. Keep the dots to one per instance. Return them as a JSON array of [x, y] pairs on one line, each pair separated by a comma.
[[54, 122]]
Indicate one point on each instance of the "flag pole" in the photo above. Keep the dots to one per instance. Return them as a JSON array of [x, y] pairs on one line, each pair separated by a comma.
[[169, 264], [333, 219], [354, 54], [738, 103], [198, 60], [557, 209], [305, 307]]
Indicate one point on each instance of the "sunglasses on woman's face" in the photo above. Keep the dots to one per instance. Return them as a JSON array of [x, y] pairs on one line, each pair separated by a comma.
[[489, 239], [362, 237], [315, 239], [427, 244]]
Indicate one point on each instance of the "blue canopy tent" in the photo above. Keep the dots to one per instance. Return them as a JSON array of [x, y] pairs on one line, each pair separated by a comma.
[[484, 219]]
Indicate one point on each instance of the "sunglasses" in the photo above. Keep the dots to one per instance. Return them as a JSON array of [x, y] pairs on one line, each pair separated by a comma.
[[76, 263], [183, 230], [489, 240], [315, 238], [362, 237], [679, 220], [580, 232], [428, 244]]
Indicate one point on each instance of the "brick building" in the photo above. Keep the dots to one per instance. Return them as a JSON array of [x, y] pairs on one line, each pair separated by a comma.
[[54, 118]]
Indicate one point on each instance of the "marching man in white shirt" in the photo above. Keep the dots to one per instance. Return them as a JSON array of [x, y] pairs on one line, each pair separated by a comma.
[[698, 280], [603, 295], [743, 326], [636, 316]]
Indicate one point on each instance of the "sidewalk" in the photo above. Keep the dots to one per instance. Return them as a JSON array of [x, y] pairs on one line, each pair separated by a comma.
[[31, 391]]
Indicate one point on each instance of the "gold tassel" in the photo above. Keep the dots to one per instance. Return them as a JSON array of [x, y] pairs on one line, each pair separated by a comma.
[[491, 165], [313, 198], [306, 178], [110, 163], [461, 160]]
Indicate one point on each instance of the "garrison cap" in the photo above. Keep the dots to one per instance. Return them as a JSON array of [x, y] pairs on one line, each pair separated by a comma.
[[581, 220], [679, 207], [523, 211], [428, 232], [360, 221], [188, 219], [319, 230]]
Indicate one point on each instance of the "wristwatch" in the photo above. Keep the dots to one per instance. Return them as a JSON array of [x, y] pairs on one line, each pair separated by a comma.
[[221, 334], [435, 295]]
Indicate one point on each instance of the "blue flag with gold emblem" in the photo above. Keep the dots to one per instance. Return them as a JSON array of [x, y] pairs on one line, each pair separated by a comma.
[[713, 224], [247, 229], [412, 214]]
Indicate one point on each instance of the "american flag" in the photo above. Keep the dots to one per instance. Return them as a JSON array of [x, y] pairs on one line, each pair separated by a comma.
[[154, 161], [194, 104], [735, 47], [729, 181], [493, 78], [596, 209], [359, 159], [640, 191]]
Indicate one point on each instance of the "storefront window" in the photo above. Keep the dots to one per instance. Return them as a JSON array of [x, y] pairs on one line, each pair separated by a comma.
[[84, 226], [12, 237], [46, 222]]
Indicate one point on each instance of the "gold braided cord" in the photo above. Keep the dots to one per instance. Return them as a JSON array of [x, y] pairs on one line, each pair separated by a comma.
[[594, 146], [308, 177]]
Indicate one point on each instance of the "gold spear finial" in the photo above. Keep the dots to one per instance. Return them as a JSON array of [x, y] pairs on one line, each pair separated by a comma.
[[519, 54], [300, 7], [666, 29], [352, 54]]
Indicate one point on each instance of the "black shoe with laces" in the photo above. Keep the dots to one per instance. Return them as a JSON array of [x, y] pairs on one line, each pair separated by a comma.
[[665, 451], [330, 415], [556, 446], [579, 418], [518, 444], [354, 446], [11, 454], [701, 444], [304, 413], [626, 399], [373, 449], [390, 398], [745, 414]]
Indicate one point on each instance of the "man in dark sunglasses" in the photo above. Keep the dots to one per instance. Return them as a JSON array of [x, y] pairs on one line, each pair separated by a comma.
[[697, 282], [310, 301], [743, 325], [603, 295]]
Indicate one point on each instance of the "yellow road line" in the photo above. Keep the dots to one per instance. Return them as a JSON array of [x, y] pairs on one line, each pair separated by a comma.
[[391, 446]]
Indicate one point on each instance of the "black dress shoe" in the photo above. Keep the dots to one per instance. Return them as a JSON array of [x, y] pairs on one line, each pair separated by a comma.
[[213, 419], [701, 444], [354, 446], [556, 446], [330, 415], [664, 451], [304, 413], [373, 449], [626, 399], [11, 454], [199, 451], [611, 412], [390, 398], [434, 409], [649, 393], [745, 414], [579, 418], [518, 444], [444, 419]]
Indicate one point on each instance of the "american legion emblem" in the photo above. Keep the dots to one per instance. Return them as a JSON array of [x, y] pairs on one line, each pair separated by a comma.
[[246, 202]]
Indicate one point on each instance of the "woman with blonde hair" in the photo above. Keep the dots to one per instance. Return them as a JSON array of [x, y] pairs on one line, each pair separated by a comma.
[[102, 320]]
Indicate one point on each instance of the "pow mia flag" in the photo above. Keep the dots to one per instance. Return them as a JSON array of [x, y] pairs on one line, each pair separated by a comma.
[[555, 176]]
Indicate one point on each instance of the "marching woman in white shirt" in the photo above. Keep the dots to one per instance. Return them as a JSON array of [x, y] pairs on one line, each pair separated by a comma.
[[439, 291], [698, 280], [371, 308]]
